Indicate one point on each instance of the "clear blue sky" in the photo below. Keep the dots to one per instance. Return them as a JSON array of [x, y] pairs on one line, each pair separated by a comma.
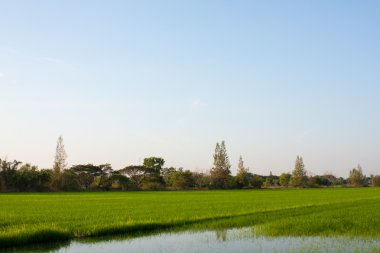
[[123, 80]]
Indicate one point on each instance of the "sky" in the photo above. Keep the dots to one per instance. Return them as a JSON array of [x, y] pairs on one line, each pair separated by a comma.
[[124, 80]]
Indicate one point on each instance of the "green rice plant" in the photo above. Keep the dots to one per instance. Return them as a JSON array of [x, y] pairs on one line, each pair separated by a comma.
[[48, 217]]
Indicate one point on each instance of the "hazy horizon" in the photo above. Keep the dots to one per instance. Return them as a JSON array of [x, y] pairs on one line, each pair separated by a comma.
[[126, 80]]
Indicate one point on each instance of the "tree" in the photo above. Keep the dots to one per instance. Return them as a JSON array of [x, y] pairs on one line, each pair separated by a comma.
[[220, 173], [119, 182], [27, 178], [269, 180], [135, 173], [340, 181], [242, 175], [375, 181], [166, 173], [356, 177], [285, 179], [60, 156], [201, 180], [330, 178], [86, 174], [59, 163], [148, 176], [153, 179], [69, 181], [256, 181], [318, 181], [181, 179], [154, 164], [299, 178], [8, 175]]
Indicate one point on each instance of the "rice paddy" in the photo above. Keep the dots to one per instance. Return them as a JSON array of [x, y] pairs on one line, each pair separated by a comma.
[[53, 217]]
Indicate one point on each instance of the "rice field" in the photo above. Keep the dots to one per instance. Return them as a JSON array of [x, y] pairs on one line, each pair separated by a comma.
[[49, 217]]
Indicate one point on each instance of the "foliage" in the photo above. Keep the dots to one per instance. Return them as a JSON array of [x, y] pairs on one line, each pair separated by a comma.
[[15, 177], [285, 179], [29, 178], [135, 173], [331, 179], [256, 181], [69, 181], [318, 181], [201, 180], [60, 156], [242, 176], [270, 181], [180, 179], [375, 181], [119, 182], [8, 173], [356, 177], [59, 164], [220, 173], [299, 178], [154, 164]]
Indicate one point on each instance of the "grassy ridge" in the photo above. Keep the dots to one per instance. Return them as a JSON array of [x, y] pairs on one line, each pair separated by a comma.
[[31, 218]]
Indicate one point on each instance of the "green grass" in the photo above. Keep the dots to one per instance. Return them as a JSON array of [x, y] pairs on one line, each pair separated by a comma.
[[49, 217]]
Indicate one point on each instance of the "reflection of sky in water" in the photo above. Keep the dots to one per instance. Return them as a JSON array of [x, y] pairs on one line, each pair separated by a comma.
[[234, 240]]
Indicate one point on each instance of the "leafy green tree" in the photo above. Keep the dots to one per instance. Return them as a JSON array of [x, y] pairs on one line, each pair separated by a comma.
[[154, 164], [27, 178], [119, 181], [103, 179], [181, 179], [44, 180], [149, 176], [96, 177], [86, 174], [299, 178], [166, 172], [285, 179], [152, 179], [8, 175], [256, 181], [69, 181], [242, 175], [356, 177], [220, 173], [136, 174], [153, 182], [318, 181]]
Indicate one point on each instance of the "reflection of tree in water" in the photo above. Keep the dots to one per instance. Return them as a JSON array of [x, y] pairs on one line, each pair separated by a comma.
[[221, 235], [39, 248]]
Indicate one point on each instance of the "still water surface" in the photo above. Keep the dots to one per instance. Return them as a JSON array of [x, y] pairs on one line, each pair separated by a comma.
[[233, 240]]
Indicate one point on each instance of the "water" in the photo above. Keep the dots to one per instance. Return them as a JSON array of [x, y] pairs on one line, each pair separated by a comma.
[[232, 240]]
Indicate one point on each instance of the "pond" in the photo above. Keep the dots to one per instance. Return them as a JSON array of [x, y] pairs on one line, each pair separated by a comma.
[[232, 240]]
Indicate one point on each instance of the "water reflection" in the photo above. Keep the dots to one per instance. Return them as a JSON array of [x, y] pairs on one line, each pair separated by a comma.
[[233, 240], [50, 247], [221, 235]]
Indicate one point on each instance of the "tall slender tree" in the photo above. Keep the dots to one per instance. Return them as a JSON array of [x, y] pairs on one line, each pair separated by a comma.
[[59, 164], [220, 173], [299, 178], [242, 175]]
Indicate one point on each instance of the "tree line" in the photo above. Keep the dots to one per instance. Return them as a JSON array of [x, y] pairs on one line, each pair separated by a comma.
[[152, 175]]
